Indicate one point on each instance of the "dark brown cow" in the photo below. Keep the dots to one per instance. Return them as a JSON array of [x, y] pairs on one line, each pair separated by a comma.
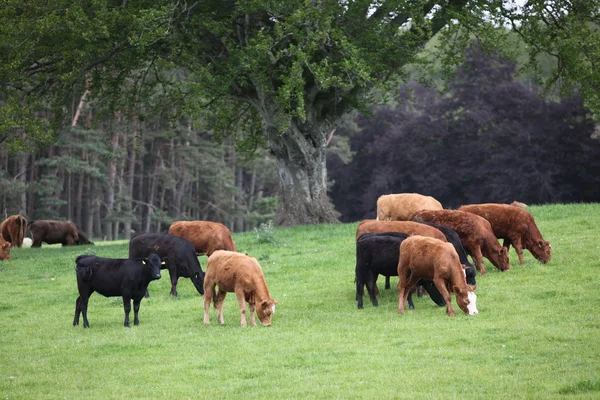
[[475, 233], [236, 272], [431, 259], [516, 226], [13, 229], [52, 232], [4, 249], [402, 206], [205, 236]]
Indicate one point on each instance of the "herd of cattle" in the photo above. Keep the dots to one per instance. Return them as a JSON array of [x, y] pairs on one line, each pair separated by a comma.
[[413, 238]]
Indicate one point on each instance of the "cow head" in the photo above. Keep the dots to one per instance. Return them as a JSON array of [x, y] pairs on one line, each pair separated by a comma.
[[4, 250], [542, 251], [466, 300], [503, 260], [198, 281], [265, 311], [154, 264]]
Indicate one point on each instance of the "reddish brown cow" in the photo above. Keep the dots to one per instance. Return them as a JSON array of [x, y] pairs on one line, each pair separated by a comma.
[[428, 258], [402, 206], [236, 272], [476, 235], [4, 249], [13, 229], [516, 226], [408, 227], [205, 236]]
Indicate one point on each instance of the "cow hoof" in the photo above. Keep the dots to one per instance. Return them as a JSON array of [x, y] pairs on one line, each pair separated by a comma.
[[411, 307]]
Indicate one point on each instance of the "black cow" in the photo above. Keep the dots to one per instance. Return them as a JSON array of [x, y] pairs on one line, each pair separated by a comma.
[[378, 254], [178, 256], [452, 237], [112, 277]]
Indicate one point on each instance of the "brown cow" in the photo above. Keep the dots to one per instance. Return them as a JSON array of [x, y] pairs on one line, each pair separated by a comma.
[[431, 259], [236, 272], [402, 206], [518, 204], [13, 229], [205, 236], [52, 232], [408, 227], [4, 249], [475, 233], [516, 226]]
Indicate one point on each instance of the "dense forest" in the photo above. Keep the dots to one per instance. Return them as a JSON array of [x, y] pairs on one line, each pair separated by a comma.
[[491, 138]]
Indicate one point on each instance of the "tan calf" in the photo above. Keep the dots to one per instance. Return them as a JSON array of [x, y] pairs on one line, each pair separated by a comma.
[[408, 227], [402, 206], [431, 259], [238, 273]]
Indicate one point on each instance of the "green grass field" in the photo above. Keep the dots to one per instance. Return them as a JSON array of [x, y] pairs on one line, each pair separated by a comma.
[[537, 335]]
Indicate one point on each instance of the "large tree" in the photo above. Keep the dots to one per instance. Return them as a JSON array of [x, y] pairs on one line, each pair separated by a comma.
[[277, 73]]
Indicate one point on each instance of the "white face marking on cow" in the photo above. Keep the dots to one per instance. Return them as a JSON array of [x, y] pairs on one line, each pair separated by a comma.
[[472, 306], [273, 309]]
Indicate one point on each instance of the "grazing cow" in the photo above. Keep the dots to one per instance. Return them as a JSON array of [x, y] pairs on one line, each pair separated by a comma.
[[475, 234], [236, 272], [408, 227], [428, 258], [13, 229], [52, 232], [4, 249], [178, 256], [378, 254], [518, 204], [205, 236], [402, 206], [125, 277], [516, 226]]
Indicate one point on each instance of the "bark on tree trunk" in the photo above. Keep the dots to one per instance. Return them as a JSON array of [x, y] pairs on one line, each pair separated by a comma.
[[302, 171]]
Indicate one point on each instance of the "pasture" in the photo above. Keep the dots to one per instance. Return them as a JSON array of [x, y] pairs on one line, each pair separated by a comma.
[[537, 334]]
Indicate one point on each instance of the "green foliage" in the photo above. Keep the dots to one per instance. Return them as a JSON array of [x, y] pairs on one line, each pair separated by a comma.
[[535, 335], [264, 233]]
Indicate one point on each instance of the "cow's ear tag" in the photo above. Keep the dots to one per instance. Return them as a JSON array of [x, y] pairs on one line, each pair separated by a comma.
[[163, 263], [144, 262]]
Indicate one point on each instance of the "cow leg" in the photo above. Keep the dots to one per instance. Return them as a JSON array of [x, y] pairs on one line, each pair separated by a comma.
[[174, 277], [506, 243], [387, 282], [36, 243], [252, 309], [440, 284], [220, 299], [127, 307], [519, 249], [77, 311], [360, 291], [411, 305], [209, 292], [136, 310], [85, 297], [371, 287], [242, 302], [478, 258]]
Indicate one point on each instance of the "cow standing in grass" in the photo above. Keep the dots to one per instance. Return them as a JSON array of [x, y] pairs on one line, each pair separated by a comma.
[[402, 206], [13, 230], [128, 278], [205, 236], [428, 258]]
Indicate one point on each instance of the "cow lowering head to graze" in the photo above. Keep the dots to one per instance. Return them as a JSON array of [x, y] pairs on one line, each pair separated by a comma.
[[53, 232], [241, 274], [125, 277], [205, 236], [178, 256], [4, 249], [402, 206], [407, 227], [516, 226], [428, 258], [378, 254], [13, 229], [475, 234]]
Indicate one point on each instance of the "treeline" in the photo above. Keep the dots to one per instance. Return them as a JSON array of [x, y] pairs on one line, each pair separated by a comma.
[[113, 178], [490, 139]]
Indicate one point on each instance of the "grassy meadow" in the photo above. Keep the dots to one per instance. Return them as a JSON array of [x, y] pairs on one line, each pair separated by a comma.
[[537, 335]]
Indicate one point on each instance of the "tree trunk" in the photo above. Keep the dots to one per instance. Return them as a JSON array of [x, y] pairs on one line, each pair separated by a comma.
[[300, 154]]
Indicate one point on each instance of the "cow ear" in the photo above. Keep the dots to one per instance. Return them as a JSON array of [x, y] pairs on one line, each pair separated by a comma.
[[472, 288], [456, 289]]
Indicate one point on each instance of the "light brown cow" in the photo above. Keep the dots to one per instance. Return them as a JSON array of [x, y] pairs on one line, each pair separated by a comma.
[[516, 226], [13, 229], [476, 235], [205, 236], [408, 227], [402, 206], [518, 204], [4, 249], [236, 272], [431, 259]]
